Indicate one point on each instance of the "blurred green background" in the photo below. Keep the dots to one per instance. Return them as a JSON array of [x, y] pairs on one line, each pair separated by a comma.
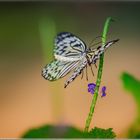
[[27, 100]]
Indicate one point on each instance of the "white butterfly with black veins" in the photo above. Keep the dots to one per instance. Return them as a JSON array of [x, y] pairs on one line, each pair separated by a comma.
[[71, 53]]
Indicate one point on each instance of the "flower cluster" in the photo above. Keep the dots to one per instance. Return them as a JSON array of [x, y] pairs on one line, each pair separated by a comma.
[[91, 89]]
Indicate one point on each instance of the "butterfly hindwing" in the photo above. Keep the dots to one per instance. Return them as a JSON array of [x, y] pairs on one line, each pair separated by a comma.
[[58, 69], [68, 45], [76, 72]]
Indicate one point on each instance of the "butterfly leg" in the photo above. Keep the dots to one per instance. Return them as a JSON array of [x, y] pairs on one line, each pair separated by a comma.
[[92, 70], [95, 65], [91, 43], [86, 73], [82, 74]]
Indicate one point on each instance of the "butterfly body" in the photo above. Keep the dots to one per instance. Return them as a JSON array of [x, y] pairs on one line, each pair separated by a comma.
[[71, 54]]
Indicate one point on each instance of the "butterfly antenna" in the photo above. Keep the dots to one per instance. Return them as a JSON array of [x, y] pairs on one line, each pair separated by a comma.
[[95, 44], [94, 40], [86, 73], [92, 70], [91, 43]]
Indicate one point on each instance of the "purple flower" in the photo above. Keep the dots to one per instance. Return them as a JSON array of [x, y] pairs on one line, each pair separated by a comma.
[[91, 89], [103, 91]]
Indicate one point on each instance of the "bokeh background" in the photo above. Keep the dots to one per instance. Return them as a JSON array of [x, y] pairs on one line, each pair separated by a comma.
[[27, 100]]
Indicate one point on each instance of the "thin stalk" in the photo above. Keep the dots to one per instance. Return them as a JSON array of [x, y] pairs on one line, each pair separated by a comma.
[[99, 75], [48, 30]]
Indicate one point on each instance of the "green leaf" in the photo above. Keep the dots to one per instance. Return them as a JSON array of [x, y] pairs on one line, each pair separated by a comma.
[[49, 131], [132, 85], [101, 133]]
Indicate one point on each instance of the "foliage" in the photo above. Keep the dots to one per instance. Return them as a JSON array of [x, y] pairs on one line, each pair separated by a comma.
[[49, 131], [132, 85], [101, 133]]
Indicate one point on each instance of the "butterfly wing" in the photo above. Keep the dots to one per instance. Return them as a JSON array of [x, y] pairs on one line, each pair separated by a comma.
[[58, 69], [68, 45], [76, 72], [69, 52]]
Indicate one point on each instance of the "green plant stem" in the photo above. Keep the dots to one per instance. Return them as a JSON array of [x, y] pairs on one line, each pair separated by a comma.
[[99, 75]]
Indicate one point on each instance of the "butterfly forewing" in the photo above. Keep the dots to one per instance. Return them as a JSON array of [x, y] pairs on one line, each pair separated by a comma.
[[68, 45]]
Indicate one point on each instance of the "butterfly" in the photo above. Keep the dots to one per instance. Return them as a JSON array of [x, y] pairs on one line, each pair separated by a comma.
[[71, 54]]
